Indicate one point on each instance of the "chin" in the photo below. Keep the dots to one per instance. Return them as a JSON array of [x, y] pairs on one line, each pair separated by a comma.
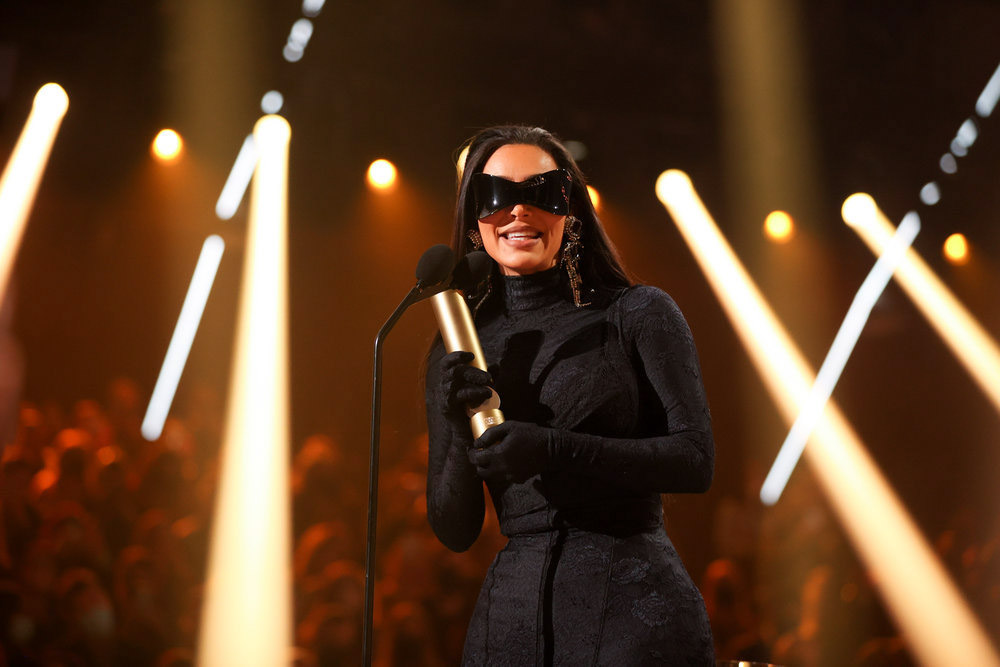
[[521, 262], [526, 268]]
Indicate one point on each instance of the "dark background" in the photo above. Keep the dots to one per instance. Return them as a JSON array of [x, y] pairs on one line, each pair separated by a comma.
[[114, 236]]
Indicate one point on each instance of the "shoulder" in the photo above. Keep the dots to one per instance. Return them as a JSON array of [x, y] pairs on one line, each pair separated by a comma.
[[647, 312], [640, 302]]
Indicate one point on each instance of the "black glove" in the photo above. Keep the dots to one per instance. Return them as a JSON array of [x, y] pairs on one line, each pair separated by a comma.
[[513, 451], [461, 386]]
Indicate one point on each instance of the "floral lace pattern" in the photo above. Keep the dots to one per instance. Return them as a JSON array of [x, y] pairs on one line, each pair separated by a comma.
[[589, 575]]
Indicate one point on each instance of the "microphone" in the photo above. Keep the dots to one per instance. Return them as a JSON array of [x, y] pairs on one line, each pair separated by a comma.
[[471, 270], [459, 333], [434, 266]]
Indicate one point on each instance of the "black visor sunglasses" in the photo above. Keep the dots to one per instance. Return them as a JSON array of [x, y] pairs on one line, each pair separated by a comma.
[[549, 192]]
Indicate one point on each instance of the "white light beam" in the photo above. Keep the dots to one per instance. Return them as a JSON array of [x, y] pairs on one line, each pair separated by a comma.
[[312, 7], [239, 179], [971, 344], [184, 332], [841, 349], [988, 98]]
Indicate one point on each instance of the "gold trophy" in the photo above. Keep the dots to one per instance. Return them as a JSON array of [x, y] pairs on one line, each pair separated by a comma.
[[459, 333]]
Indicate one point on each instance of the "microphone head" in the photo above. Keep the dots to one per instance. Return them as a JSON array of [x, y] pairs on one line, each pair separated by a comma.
[[435, 265], [471, 270]]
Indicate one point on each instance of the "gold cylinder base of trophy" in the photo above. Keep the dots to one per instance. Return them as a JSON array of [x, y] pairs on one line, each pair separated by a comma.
[[455, 322], [481, 421], [459, 333]]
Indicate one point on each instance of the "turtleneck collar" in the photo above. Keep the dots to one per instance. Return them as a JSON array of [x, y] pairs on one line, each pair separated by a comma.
[[533, 290]]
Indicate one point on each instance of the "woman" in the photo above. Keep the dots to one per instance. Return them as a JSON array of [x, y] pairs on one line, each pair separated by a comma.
[[601, 389]]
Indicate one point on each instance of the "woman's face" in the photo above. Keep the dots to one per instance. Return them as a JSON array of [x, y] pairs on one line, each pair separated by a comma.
[[522, 239]]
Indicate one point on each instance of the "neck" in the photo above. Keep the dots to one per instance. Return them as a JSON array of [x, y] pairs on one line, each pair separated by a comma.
[[524, 292]]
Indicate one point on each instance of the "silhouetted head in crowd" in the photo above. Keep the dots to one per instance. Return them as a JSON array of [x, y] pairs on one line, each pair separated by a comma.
[[87, 613]]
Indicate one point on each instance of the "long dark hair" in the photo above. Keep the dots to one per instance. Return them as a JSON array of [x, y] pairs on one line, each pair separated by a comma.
[[600, 264]]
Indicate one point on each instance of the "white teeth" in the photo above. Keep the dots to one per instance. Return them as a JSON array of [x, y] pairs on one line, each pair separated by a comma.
[[521, 235]]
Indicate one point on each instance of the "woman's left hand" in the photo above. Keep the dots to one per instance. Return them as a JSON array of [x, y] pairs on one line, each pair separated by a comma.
[[513, 451]]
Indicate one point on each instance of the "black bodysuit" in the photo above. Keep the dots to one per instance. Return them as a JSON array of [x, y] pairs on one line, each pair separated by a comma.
[[588, 575]]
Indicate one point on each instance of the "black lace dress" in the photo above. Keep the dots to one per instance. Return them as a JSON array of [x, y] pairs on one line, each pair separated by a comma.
[[588, 575]]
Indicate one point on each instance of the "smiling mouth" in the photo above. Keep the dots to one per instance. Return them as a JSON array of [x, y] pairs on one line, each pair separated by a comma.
[[521, 235]]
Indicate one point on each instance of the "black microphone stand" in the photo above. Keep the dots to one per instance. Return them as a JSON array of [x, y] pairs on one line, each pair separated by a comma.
[[415, 294], [434, 271]]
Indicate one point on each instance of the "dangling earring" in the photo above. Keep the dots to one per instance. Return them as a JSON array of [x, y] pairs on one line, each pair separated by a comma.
[[476, 239], [479, 301], [572, 250]]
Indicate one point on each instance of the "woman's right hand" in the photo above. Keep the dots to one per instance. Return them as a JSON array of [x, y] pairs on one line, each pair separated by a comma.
[[461, 386]]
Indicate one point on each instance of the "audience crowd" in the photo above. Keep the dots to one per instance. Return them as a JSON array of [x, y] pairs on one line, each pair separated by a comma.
[[104, 541]]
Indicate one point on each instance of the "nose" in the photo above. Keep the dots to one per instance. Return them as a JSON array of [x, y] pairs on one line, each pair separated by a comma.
[[519, 210]]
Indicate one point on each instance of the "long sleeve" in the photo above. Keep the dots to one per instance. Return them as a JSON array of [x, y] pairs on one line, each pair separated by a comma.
[[676, 451], [455, 502], [604, 409]]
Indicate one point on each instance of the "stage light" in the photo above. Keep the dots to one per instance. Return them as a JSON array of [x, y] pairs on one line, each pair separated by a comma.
[[247, 614], [272, 102], [948, 163], [930, 194], [859, 209], [238, 180], [292, 53], [298, 38], [928, 609], [21, 176], [967, 133], [595, 197], [988, 98], [778, 226], [840, 351], [302, 30], [180, 342], [381, 174], [312, 7], [963, 335], [956, 249], [167, 145]]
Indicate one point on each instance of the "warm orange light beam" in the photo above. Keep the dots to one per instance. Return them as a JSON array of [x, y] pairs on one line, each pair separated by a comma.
[[248, 614], [23, 172], [927, 607], [964, 336]]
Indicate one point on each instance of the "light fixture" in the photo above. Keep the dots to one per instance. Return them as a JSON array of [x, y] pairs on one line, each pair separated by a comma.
[[381, 174], [167, 145], [956, 249], [779, 227]]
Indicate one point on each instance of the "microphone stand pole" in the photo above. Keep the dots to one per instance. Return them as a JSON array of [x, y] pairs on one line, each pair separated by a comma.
[[366, 645]]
